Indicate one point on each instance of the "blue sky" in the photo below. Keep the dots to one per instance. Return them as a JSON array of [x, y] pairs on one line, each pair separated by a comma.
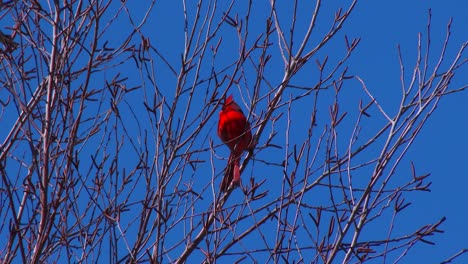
[[441, 147], [381, 27], [439, 150]]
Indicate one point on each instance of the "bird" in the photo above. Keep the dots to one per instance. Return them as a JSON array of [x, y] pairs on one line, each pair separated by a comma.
[[234, 130]]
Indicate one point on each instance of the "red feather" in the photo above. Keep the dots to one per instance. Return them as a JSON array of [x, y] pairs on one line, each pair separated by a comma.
[[234, 131]]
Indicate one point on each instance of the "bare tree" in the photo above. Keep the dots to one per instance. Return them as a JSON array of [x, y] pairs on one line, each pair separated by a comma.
[[109, 152]]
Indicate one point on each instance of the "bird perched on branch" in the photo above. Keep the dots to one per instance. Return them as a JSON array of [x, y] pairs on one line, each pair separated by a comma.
[[234, 131]]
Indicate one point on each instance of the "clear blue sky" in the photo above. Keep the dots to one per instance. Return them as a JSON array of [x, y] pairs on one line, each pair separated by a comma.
[[441, 147]]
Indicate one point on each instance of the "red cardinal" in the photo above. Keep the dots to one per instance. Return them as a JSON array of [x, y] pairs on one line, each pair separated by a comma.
[[234, 131]]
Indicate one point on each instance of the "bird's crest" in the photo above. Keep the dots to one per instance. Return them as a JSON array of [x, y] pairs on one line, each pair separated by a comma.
[[229, 100]]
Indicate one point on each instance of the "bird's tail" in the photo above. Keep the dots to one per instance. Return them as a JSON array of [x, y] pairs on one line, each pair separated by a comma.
[[232, 172]]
